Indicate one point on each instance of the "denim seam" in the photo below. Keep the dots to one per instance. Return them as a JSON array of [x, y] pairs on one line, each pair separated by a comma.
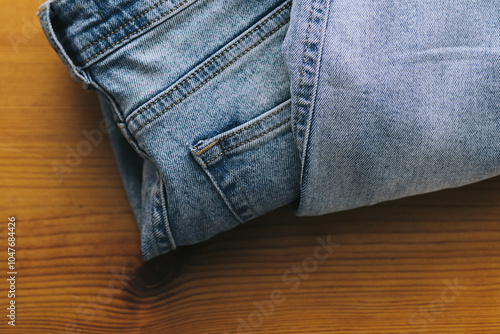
[[307, 118], [208, 63], [199, 152], [123, 25], [148, 212], [43, 6], [247, 141], [117, 117], [166, 224], [136, 31], [303, 66], [217, 187], [157, 230], [212, 76], [236, 180], [154, 226], [306, 56]]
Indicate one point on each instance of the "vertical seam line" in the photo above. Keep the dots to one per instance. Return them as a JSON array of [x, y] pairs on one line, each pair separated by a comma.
[[303, 66]]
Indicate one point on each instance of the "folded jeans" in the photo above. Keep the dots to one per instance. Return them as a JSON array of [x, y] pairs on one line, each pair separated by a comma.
[[225, 110]]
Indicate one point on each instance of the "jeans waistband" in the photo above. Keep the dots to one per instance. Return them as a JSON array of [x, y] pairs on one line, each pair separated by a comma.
[[94, 28]]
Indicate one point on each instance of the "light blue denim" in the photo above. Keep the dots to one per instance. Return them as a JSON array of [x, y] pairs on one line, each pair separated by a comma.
[[392, 98], [229, 109]]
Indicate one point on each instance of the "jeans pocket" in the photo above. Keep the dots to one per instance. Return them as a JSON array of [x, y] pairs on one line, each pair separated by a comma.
[[254, 166], [253, 55]]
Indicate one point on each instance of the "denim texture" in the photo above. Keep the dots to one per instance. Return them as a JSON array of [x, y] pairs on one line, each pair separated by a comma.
[[200, 92], [392, 98], [225, 110]]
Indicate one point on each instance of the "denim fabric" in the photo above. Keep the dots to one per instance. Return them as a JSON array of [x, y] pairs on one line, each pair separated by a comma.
[[200, 92], [392, 98], [229, 109]]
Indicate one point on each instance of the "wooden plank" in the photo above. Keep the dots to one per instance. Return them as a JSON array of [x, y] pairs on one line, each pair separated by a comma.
[[79, 264]]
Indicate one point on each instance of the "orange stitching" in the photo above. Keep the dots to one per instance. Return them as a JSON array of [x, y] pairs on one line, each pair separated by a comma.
[[207, 147], [204, 66], [247, 141], [124, 38], [211, 77], [123, 25]]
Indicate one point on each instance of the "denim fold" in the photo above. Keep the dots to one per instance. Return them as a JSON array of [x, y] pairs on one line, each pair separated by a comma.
[[224, 110]]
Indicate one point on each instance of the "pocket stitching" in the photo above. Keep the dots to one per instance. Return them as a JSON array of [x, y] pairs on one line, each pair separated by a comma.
[[199, 152], [211, 77], [214, 59], [247, 141]]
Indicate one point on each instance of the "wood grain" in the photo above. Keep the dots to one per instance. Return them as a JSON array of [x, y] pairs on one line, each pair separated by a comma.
[[79, 264]]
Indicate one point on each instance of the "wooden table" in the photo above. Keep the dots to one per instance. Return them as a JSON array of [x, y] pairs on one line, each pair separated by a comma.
[[426, 264]]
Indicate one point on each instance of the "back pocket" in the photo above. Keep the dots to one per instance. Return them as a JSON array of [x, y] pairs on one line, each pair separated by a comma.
[[255, 166]]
